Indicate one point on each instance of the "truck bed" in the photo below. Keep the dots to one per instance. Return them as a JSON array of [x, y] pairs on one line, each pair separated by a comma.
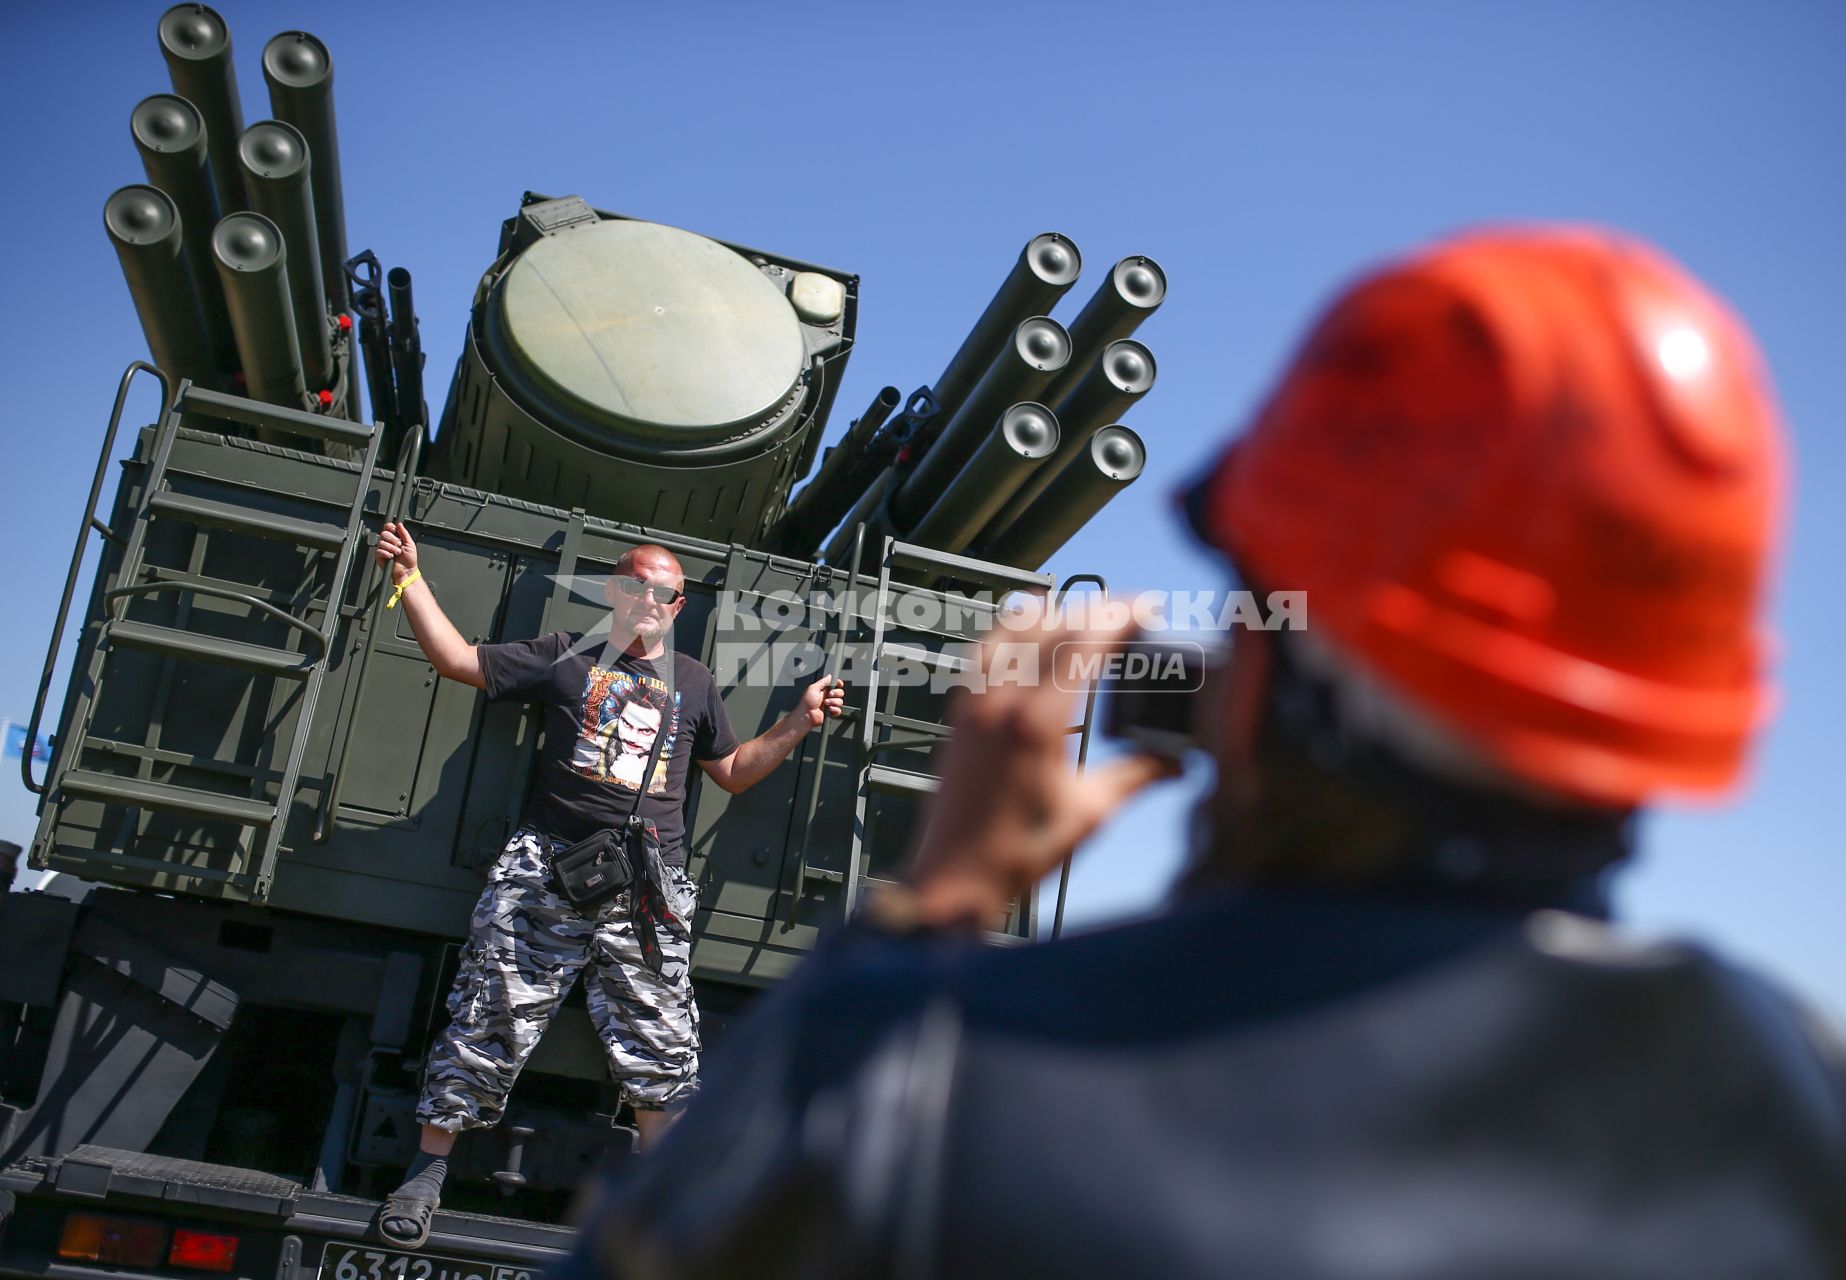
[[284, 1229]]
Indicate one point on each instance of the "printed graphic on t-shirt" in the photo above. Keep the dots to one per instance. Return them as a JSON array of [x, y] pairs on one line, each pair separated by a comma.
[[622, 715]]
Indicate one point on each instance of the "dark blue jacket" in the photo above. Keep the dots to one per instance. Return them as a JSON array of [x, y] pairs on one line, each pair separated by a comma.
[[1270, 1084]]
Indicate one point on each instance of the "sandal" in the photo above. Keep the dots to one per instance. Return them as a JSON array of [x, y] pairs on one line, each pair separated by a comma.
[[404, 1220]]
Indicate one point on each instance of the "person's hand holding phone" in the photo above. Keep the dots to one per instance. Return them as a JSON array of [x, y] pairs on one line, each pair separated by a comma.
[[1011, 805]]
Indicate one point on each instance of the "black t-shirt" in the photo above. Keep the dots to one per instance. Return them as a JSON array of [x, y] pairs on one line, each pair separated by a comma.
[[600, 725]]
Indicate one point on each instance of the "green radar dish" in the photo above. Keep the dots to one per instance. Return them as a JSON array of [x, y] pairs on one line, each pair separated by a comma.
[[650, 330]]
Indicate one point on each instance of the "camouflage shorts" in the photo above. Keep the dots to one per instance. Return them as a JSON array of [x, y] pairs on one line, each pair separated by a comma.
[[525, 946]]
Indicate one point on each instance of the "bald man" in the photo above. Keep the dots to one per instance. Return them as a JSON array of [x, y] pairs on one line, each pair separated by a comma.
[[609, 701]]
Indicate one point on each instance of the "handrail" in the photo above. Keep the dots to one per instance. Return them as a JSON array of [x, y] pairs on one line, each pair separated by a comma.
[[826, 728], [1083, 743], [317, 677], [221, 593], [83, 536], [395, 502]]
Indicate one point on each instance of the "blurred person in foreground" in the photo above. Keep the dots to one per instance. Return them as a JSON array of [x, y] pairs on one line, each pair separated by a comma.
[[1530, 481]]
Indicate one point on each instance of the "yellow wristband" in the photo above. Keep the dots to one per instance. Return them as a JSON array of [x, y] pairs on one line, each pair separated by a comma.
[[402, 587]]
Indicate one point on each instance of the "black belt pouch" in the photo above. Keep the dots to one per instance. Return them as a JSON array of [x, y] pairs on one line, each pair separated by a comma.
[[591, 872]]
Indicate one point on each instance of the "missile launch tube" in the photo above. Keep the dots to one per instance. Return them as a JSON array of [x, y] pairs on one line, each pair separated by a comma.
[[841, 478], [145, 227], [1024, 437], [252, 266], [1114, 458], [1046, 269], [1119, 377], [300, 74], [277, 166], [1134, 290], [1039, 349], [169, 133], [1122, 376], [197, 46]]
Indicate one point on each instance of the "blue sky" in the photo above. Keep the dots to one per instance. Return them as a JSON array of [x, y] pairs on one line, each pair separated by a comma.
[[1262, 153]]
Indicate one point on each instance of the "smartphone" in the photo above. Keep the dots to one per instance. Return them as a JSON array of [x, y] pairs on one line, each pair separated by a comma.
[[1153, 691]]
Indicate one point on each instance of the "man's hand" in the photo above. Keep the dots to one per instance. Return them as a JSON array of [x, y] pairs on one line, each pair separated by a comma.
[[450, 652], [397, 551], [1011, 805], [753, 760], [825, 697]]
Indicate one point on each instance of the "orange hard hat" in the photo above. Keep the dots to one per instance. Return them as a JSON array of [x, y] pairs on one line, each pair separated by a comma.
[[1529, 479]]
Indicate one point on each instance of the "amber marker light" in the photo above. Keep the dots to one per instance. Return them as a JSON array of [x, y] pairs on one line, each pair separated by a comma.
[[128, 1242]]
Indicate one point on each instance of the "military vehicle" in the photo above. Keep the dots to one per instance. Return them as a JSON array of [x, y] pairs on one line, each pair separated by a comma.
[[272, 818]]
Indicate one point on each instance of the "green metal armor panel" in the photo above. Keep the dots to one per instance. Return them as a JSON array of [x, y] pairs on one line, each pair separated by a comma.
[[409, 784]]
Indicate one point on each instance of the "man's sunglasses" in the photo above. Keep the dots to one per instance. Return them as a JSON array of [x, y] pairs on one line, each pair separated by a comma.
[[636, 587]]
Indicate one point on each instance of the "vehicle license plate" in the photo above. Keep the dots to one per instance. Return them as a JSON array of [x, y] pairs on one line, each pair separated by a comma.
[[341, 1261]]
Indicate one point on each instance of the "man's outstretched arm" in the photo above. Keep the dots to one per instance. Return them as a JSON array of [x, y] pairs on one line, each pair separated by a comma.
[[753, 760], [445, 647]]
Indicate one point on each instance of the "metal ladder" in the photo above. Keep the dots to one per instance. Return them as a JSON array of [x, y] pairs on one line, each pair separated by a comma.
[[876, 777], [260, 818]]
